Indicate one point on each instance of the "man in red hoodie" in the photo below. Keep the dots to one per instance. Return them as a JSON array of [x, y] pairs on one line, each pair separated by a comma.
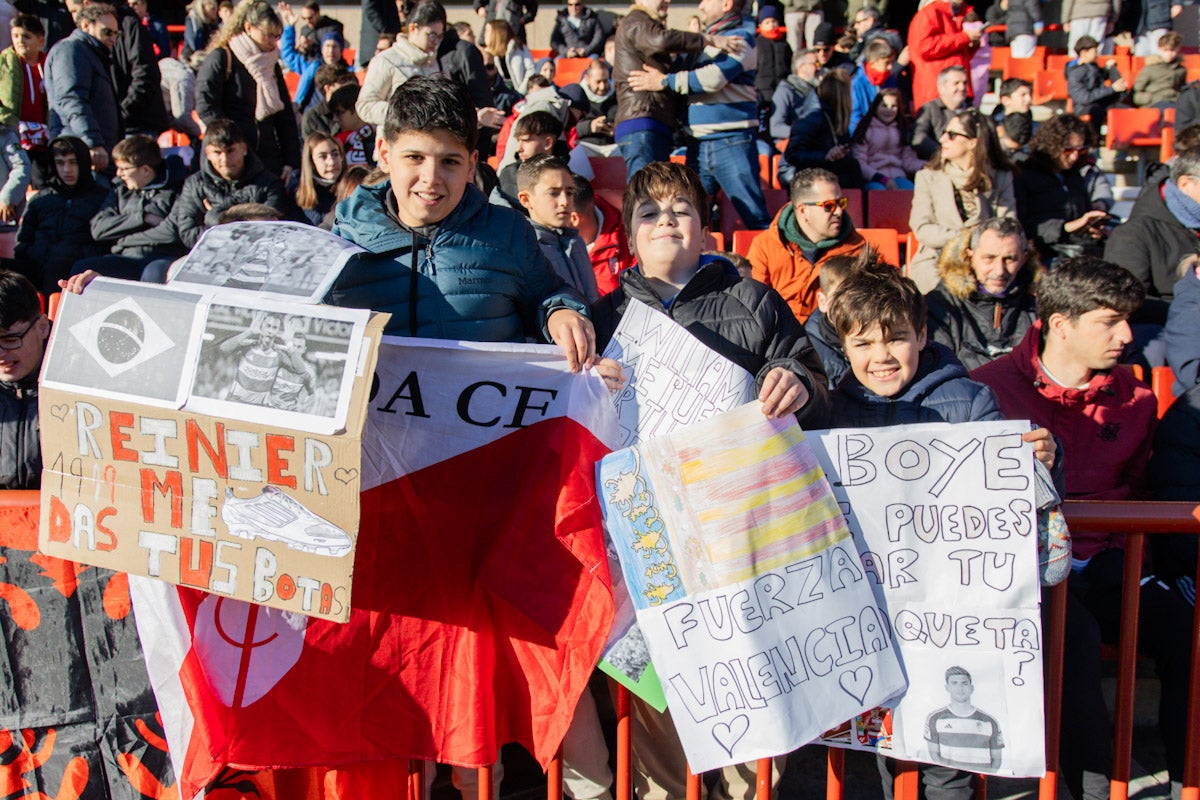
[[936, 40], [1064, 375]]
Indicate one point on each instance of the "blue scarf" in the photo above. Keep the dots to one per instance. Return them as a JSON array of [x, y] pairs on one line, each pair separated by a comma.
[[1182, 207]]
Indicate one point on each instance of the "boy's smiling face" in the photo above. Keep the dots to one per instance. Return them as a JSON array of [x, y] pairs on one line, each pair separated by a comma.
[[884, 364], [667, 235], [429, 171]]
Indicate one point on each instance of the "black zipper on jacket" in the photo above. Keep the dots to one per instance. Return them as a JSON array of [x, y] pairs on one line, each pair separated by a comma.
[[412, 290]]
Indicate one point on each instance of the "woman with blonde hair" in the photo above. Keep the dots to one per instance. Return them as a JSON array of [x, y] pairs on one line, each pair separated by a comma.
[[321, 168], [968, 181], [513, 58], [240, 80], [201, 23]]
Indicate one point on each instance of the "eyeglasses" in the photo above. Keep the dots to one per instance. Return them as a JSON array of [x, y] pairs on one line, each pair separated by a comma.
[[13, 341], [957, 135], [828, 206]]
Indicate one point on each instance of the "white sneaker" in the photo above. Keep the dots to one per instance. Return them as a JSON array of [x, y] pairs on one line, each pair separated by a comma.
[[279, 517]]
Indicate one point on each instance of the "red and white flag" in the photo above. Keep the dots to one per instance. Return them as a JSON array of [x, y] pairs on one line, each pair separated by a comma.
[[481, 594]]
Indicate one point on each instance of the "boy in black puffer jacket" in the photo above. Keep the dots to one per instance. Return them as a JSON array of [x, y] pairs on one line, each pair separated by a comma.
[[146, 189], [665, 211], [56, 228]]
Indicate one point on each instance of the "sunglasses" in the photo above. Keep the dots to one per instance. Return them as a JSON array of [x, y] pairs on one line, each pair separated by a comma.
[[958, 135], [830, 205], [1080, 150]]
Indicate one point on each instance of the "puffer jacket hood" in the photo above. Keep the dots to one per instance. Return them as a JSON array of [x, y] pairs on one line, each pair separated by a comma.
[[958, 276], [83, 157], [941, 391], [976, 326]]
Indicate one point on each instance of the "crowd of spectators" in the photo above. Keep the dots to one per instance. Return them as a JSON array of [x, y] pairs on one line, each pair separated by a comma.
[[121, 147]]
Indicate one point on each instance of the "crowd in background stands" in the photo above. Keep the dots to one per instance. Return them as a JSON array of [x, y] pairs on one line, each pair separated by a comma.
[[136, 146]]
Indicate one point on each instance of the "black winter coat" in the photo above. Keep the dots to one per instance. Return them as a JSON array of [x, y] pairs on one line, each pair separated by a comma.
[[20, 451], [774, 64], [378, 16], [137, 78], [1046, 200], [124, 211], [589, 36], [743, 320], [941, 391], [1089, 91], [1151, 243], [977, 327], [1187, 106], [932, 119], [463, 62], [1174, 474], [276, 139], [55, 230], [189, 217]]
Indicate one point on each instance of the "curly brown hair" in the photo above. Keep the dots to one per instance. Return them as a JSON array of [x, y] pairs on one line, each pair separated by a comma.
[[1052, 136]]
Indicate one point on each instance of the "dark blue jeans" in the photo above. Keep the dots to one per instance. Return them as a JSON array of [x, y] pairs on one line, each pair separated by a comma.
[[731, 162], [642, 147]]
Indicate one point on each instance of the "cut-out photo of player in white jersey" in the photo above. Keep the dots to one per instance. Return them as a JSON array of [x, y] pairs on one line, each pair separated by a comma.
[[959, 734]]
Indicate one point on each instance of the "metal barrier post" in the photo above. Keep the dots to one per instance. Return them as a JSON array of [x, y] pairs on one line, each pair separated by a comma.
[[1126, 667], [554, 777], [1191, 765], [908, 780], [624, 744], [694, 785], [763, 788], [416, 779], [485, 783], [835, 773], [1052, 663]]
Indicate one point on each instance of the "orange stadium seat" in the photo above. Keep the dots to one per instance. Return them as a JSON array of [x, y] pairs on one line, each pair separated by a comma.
[[540, 52], [742, 240], [911, 245], [1057, 62], [889, 208], [1000, 58], [1161, 381], [1026, 68], [1168, 143], [292, 79], [52, 305], [570, 70], [1050, 87], [1133, 127], [348, 54], [884, 240]]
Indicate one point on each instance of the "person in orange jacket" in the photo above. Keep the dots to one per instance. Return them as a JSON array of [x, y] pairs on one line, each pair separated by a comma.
[[806, 232]]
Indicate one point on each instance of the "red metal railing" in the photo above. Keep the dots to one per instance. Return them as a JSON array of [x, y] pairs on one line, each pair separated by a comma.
[[1134, 519]]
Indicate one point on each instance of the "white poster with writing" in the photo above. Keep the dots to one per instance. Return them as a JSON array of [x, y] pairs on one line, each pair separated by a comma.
[[945, 520], [761, 623], [672, 380]]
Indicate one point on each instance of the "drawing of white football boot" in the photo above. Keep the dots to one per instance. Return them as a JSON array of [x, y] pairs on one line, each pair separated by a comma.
[[277, 516]]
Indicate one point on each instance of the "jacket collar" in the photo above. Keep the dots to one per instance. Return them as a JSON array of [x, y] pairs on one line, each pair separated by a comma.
[[1029, 365], [712, 273], [936, 366], [363, 218]]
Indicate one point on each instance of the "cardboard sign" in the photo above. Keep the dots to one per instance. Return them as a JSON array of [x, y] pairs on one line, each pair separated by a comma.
[[250, 510], [672, 380], [761, 622], [945, 520]]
